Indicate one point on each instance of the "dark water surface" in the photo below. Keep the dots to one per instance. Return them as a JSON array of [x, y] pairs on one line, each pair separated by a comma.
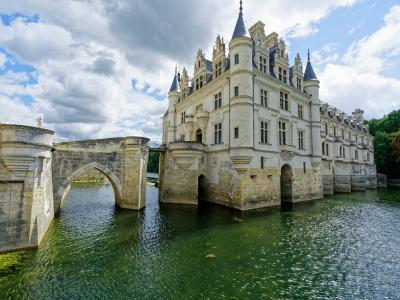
[[343, 247]]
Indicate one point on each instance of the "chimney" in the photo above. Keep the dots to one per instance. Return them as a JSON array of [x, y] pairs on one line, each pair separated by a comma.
[[358, 114]]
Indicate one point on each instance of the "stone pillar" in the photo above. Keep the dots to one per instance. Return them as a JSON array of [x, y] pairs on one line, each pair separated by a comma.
[[358, 183], [26, 194], [179, 173], [134, 176]]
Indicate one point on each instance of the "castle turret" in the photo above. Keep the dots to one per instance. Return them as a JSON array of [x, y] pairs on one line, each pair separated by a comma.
[[311, 86], [173, 98], [241, 90]]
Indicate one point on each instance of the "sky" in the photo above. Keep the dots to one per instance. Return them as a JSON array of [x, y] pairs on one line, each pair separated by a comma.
[[103, 68]]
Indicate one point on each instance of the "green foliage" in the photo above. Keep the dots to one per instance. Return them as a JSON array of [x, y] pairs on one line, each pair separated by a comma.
[[388, 124], [395, 154], [387, 143], [381, 146], [153, 163]]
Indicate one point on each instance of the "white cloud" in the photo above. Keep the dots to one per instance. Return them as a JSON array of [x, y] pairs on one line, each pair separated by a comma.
[[87, 52], [3, 60], [358, 80]]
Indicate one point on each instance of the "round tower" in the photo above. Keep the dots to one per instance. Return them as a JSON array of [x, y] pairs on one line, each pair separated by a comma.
[[173, 98], [311, 86], [241, 85]]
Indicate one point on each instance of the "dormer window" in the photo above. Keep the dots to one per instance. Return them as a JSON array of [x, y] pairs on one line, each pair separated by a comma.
[[263, 64], [197, 84], [299, 84], [282, 74], [201, 81], [218, 69]]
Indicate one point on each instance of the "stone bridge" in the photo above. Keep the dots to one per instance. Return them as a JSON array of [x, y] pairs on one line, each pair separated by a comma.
[[122, 160], [36, 174]]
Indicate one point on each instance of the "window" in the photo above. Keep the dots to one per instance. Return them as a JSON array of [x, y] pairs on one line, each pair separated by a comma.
[[323, 148], [182, 137], [218, 69], [301, 139], [326, 128], [300, 111], [197, 84], [334, 131], [342, 134], [368, 157], [218, 101], [264, 101], [236, 132], [304, 167], [236, 59], [284, 103], [262, 162], [264, 132], [236, 91], [183, 117], [344, 152], [282, 133], [201, 81], [280, 73], [356, 154], [284, 76], [299, 84], [263, 64], [218, 133], [327, 149]]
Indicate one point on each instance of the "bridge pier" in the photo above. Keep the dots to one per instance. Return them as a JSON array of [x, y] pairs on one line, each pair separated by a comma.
[[26, 194]]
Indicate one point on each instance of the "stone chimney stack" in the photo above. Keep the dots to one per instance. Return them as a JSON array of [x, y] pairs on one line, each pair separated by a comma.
[[358, 114]]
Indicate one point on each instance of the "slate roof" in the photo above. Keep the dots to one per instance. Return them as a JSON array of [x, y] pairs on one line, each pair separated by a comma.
[[175, 84], [240, 28]]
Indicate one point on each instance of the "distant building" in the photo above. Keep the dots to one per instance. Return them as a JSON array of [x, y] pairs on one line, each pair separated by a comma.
[[247, 130]]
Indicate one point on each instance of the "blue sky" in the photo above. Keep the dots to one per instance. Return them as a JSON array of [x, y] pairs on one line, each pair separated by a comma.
[[95, 69]]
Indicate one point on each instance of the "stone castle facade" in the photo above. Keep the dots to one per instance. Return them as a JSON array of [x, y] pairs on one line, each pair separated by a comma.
[[248, 130]]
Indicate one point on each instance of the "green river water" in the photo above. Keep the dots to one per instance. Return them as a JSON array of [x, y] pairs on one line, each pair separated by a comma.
[[342, 247]]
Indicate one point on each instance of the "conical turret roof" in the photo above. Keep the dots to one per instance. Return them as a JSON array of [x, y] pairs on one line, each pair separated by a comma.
[[309, 74], [240, 28], [175, 83]]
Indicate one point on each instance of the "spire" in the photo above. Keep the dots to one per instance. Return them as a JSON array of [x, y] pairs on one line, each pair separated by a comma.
[[175, 82], [309, 74], [240, 28]]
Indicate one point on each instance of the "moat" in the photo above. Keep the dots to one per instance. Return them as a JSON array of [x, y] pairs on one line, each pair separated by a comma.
[[345, 246]]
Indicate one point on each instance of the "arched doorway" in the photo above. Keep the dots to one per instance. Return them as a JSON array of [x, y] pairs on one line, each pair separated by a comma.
[[199, 136], [202, 188], [286, 183]]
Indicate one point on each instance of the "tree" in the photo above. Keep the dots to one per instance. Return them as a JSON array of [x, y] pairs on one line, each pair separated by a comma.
[[381, 146], [152, 165], [394, 169]]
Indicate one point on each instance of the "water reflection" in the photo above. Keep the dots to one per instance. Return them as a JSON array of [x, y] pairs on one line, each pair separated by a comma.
[[345, 246]]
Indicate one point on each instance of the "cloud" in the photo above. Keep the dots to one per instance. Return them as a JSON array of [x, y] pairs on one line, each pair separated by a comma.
[[358, 79], [87, 53], [3, 59]]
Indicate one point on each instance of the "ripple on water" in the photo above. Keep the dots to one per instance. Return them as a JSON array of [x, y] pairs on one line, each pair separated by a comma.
[[346, 246]]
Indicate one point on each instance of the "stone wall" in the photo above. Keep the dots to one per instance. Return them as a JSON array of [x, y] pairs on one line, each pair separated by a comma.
[[307, 185], [26, 196], [342, 183], [358, 183], [180, 168]]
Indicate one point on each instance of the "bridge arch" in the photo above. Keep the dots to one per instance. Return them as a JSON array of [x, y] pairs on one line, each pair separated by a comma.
[[64, 188]]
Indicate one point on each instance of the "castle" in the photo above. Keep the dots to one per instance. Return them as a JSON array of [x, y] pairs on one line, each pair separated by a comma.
[[249, 131]]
